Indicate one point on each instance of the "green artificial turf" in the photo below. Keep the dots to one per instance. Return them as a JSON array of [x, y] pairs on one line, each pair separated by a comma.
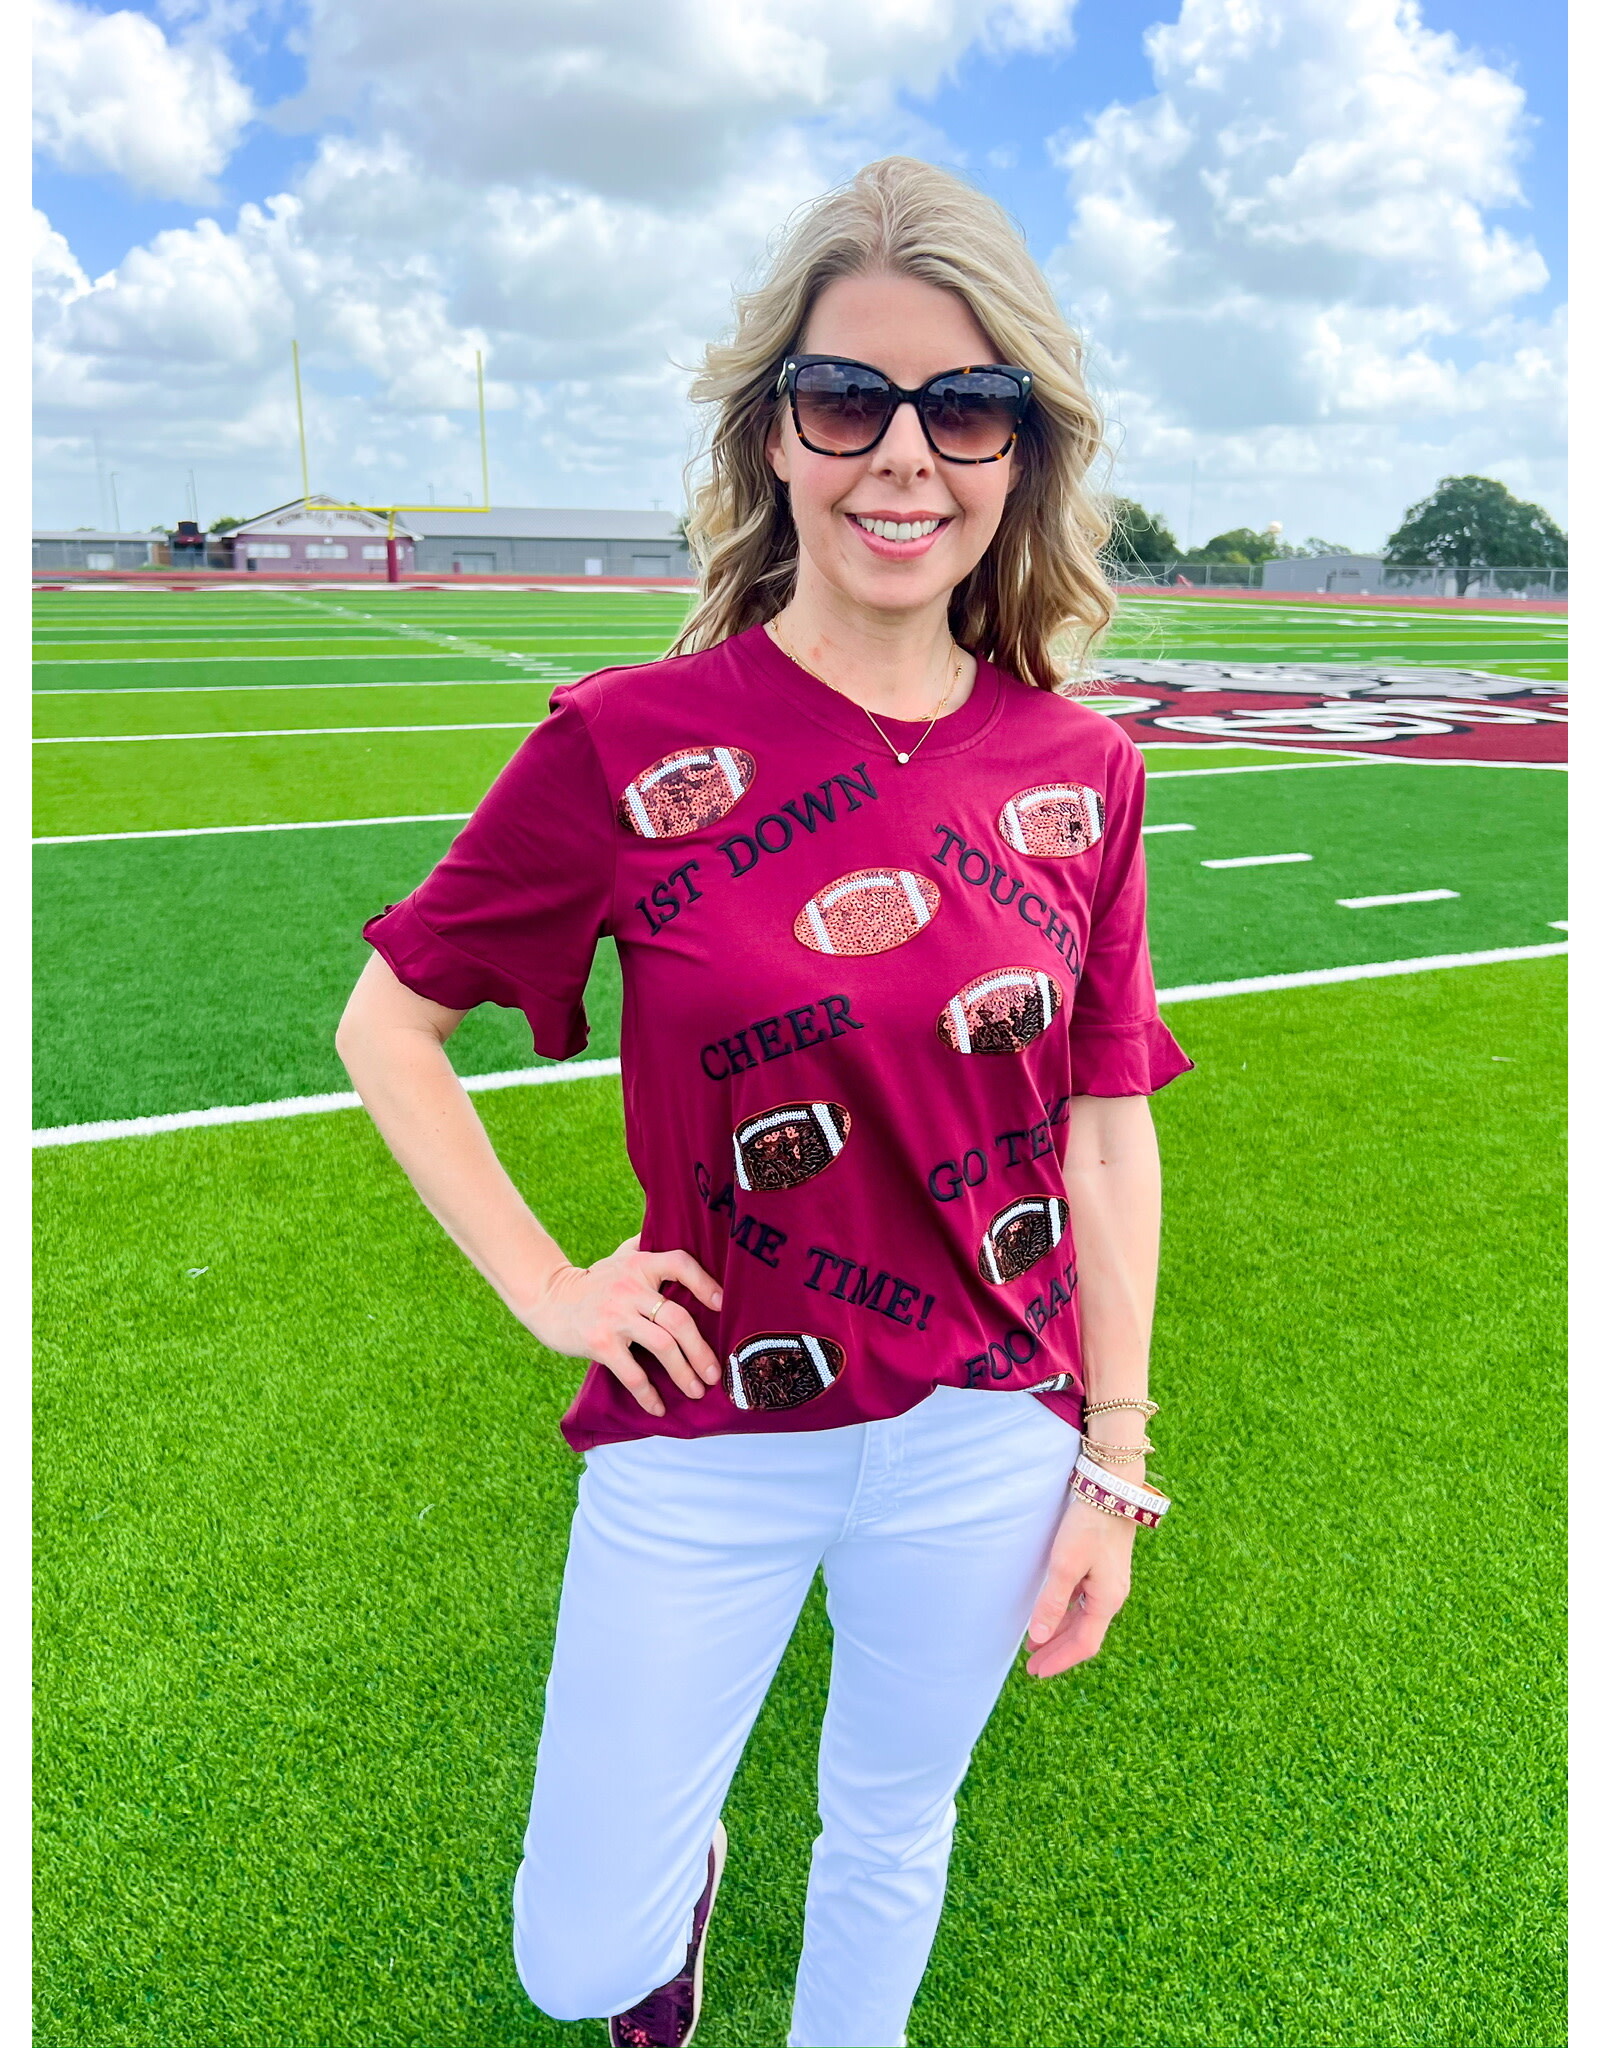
[[241, 646], [404, 663], [1196, 757], [181, 973], [1175, 629], [630, 627], [299, 706], [147, 788], [302, 1511], [1495, 835]]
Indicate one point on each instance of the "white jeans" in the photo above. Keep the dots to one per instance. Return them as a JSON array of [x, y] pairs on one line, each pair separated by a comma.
[[688, 1566]]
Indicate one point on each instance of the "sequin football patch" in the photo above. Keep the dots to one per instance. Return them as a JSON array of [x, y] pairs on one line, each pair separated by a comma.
[[785, 1147], [1023, 1233], [870, 911], [1054, 820], [1002, 1011], [685, 792], [781, 1369]]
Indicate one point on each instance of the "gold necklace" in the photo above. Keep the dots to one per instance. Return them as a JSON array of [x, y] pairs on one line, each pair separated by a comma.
[[955, 677]]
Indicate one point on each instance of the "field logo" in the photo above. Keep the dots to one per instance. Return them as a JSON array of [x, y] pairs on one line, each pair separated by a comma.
[[1403, 714]]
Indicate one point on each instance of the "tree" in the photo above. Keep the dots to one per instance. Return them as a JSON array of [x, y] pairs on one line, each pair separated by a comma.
[[225, 525], [1473, 522], [1139, 536], [1315, 547], [1241, 544]]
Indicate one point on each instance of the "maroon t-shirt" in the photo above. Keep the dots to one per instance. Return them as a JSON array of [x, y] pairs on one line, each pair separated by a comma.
[[858, 998]]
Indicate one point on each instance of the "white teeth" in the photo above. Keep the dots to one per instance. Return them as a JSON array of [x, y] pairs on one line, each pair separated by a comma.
[[897, 529]]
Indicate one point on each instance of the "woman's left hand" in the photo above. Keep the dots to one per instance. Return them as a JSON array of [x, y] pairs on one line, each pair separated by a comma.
[[1090, 1572]]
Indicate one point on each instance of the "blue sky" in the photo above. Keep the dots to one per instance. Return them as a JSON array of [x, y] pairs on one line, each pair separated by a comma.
[[1011, 104], [430, 201]]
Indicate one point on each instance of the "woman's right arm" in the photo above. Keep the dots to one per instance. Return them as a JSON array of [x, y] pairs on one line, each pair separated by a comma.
[[392, 1043]]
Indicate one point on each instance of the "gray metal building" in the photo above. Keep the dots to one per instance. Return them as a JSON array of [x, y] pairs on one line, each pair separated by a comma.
[[87, 550], [536, 541], [1351, 575], [1372, 576]]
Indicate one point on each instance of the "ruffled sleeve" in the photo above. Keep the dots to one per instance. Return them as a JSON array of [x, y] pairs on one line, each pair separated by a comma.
[[1117, 1043], [513, 912]]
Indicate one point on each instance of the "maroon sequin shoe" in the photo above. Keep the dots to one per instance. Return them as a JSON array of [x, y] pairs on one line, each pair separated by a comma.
[[669, 2016]]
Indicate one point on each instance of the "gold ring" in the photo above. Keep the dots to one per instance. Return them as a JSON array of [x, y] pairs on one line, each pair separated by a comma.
[[651, 1313]]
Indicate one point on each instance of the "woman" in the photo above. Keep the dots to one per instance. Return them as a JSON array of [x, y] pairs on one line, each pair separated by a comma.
[[853, 825]]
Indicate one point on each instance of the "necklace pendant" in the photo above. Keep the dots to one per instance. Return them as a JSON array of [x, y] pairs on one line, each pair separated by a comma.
[[902, 759]]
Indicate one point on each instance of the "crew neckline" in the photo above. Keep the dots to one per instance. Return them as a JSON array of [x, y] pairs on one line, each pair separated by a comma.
[[827, 707]]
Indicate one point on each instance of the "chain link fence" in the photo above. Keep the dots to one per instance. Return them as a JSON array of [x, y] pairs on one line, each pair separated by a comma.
[[1411, 580]]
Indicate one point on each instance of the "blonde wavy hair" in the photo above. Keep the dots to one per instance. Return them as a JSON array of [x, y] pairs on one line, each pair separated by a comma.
[[1037, 602]]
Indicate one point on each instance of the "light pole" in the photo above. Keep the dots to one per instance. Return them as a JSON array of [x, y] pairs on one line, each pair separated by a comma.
[[116, 516]]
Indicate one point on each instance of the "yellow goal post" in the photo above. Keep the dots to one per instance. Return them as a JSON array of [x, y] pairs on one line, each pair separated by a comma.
[[390, 509]]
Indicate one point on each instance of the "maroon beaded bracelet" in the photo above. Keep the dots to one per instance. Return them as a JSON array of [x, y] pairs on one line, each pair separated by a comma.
[[1110, 1503]]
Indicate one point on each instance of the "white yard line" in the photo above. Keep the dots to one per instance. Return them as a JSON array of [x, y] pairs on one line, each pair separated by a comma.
[[453, 643], [243, 660], [592, 1070], [1411, 896], [288, 732], [1338, 761], [307, 1105], [210, 831], [219, 632], [462, 652], [206, 636], [1256, 767], [140, 626], [1267, 610], [318, 824], [1167, 828], [1373, 970], [247, 689], [1256, 860]]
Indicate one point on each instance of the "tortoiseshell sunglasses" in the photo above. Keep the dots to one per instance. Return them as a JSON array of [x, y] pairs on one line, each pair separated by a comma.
[[842, 407]]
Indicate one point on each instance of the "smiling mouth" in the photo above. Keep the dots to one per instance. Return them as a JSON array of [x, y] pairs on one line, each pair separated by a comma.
[[896, 529]]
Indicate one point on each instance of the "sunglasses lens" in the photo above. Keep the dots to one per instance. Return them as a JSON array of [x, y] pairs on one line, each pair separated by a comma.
[[840, 407], [972, 418]]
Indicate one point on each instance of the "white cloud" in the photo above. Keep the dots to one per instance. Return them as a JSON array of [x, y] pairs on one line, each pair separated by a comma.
[[1284, 256], [649, 100], [58, 276], [1290, 237], [582, 306], [112, 94], [572, 190]]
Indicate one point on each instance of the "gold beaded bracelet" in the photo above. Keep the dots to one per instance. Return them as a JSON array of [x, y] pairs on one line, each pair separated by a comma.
[[1145, 1408], [1116, 1454]]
